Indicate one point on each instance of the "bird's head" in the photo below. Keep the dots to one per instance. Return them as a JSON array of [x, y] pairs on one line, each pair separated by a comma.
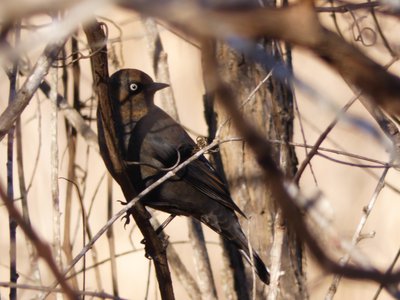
[[133, 90]]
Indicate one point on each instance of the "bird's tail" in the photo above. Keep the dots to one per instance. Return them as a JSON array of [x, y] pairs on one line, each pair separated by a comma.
[[257, 263], [259, 266], [228, 226]]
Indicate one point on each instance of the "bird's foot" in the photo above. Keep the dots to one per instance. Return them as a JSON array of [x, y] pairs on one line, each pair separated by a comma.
[[128, 214], [160, 228], [149, 251], [163, 238], [127, 219]]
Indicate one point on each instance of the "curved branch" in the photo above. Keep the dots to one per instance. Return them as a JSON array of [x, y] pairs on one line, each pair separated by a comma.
[[154, 246]]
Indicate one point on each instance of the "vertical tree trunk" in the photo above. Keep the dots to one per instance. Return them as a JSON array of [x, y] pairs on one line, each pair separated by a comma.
[[271, 109]]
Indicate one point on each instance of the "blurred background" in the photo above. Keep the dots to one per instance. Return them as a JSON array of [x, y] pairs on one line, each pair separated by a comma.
[[347, 189]]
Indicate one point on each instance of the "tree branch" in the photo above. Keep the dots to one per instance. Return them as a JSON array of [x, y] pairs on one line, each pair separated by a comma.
[[284, 24], [31, 84], [112, 156]]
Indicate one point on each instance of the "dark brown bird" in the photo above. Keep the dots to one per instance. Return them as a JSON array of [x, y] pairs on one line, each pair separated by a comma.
[[152, 142]]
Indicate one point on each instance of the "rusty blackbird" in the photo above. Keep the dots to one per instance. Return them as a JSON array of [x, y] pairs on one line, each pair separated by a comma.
[[152, 142]]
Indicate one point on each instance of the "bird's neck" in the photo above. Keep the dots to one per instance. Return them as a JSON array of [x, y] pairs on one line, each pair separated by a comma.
[[131, 112]]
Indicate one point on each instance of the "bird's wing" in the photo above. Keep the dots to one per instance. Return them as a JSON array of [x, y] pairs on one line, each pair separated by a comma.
[[203, 177], [199, 173]]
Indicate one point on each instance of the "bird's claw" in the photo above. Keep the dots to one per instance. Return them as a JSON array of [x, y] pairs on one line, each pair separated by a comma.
[[128, 214], [127, 219], [164, 242], [164, 239]]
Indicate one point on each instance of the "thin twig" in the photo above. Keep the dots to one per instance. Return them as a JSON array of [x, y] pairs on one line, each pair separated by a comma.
[[42, 248], [389, 270], [84, 229], [201, 261], [39, 145], [71, 136], [24, 202], [182, 273], [111, 238], [249, 98], [321, 139], [131, 203], [303, 135], [10, 178], [351, 155], [31, 84], [353, 164], [339, 152], [54, 168], [380, 31], [356, 237], [159, 59], [276, 256], [146, 296], [345, 8]]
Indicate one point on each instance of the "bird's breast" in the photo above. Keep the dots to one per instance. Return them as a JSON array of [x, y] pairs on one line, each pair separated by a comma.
[[131, 112]]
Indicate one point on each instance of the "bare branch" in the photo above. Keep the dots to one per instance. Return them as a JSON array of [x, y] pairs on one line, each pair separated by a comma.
[[112, 156], [285, 193], [42, 248], [357, 234], [281, 23], [31, 84]]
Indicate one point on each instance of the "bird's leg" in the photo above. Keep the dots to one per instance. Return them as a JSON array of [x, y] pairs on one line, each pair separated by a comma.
[[129, 213], [162, 227], [165, 223], [158, 231]]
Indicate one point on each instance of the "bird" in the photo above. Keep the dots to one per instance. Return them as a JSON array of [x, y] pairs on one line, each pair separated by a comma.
[[151, 143]]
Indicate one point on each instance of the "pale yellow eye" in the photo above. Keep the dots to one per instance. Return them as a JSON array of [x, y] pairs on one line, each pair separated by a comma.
[[133, 87]]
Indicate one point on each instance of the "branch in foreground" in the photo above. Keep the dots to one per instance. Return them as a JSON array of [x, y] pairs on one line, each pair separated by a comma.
[[320, 140], [133, 202], [31, 84], [90, 137], [42, 248], [284, 192], [357, 234], [70, 113], [73, 117], [284, 24]]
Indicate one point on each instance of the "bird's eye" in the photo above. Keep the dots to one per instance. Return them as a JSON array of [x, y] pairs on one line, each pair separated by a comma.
[[133, 87]]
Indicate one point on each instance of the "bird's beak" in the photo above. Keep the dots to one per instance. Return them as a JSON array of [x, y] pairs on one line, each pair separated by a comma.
[[156, 86]]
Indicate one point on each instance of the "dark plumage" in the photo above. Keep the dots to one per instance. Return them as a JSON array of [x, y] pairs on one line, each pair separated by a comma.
[[150, 136]]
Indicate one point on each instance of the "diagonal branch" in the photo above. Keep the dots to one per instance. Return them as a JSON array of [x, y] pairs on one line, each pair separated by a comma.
[[113, 159], [31, 84], [135, 202], [357, 234], [42, 248]]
